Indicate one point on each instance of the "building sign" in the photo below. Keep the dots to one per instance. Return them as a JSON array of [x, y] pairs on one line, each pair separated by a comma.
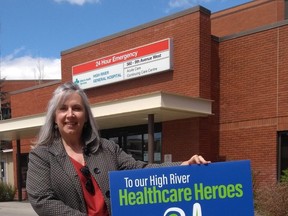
[[218, 189], [141, 61]]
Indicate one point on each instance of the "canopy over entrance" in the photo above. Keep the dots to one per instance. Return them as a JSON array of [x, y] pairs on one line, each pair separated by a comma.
[[119, 113]]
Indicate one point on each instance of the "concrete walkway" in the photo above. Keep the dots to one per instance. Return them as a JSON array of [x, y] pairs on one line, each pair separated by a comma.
[[23, 208], [16, 208]]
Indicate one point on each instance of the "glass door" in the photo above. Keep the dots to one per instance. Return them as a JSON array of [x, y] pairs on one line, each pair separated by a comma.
[[134, 141], [134, 146]]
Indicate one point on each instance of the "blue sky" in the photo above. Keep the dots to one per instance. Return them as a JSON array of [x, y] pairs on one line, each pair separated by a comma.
[[34, 32]]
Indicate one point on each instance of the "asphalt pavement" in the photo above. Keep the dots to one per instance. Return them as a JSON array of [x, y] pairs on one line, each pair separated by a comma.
[[16, 208]]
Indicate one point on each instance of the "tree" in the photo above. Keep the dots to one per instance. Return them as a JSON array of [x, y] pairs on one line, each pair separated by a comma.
[[39, 71], [5, 111]]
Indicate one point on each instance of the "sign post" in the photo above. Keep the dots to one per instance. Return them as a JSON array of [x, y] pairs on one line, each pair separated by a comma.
[[223, 189]]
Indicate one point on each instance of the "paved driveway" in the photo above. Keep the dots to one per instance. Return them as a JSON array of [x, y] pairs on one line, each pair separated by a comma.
[[16, 208]]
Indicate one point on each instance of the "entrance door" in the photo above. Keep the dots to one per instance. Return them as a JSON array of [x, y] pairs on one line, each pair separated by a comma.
[[134, 141], [134, 146]]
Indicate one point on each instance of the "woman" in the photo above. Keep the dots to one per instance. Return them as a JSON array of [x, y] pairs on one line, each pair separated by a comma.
[[68, 168]]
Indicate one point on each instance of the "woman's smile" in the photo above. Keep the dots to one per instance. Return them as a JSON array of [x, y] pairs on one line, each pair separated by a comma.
[[71, 117]]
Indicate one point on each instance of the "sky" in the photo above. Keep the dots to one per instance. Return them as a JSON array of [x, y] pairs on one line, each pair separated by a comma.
[[33, 33]]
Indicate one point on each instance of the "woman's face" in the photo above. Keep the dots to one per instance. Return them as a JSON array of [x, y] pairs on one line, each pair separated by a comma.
[[71, 117]]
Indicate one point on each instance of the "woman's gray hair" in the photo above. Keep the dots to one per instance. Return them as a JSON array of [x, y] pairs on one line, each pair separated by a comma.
[[49, 131]]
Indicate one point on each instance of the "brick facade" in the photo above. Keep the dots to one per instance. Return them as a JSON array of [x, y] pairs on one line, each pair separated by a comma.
[[224, 57], [253, 102], [248, 16], [190, 60]]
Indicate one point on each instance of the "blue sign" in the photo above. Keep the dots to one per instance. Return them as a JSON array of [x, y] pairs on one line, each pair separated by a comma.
[[223, 188]]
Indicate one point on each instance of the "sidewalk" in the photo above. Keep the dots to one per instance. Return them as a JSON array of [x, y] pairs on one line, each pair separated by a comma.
[[23, 208], [16, 208]]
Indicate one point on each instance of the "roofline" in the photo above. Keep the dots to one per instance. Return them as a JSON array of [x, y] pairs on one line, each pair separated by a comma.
[[35, 87], [244, 6], [140, 27], [251, 31]]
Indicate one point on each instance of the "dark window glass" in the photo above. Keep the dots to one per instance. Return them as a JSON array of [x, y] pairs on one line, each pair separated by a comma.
[[5, 112], [134, 140], [282, 152], [2, 171], [157, 147], [286, 9], [134, 146]]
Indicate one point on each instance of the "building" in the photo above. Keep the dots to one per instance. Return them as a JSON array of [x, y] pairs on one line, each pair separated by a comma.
[[199, 83], [7, 159]]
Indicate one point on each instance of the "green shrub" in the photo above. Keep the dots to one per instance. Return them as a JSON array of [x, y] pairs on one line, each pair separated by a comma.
[[7, 192], [284, 176]]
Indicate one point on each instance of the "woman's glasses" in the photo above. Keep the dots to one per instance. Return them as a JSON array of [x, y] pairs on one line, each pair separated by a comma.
[[88, 184]]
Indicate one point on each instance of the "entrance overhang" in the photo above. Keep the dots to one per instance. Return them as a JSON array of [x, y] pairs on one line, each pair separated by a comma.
[[119, 113]]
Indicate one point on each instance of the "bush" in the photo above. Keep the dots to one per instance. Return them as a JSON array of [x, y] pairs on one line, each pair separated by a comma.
[[7, 192], [272, 200], [284, 176]]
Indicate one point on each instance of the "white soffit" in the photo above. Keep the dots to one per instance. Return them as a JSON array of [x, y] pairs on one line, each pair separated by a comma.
[[23, 127], [135, 110], [119, 113]]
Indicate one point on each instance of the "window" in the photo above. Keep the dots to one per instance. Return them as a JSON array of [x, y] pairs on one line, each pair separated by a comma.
[[2, 171], [134, 141], [5, 145], [157, 147], [286, 9], [5, 111], [24, 167], [134, 146], [282, 152]]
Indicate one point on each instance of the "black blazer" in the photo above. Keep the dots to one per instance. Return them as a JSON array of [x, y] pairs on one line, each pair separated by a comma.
[[53, 185]]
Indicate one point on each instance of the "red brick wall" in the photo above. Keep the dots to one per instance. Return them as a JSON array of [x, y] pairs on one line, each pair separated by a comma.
[[15, 85], [191, 40], [186, 137], [257, 144], [181, 138], [282, 65], [247, 16], [205, 57], [253, 98], [215, 95], [191, 76], [248, 71], [31, 102]]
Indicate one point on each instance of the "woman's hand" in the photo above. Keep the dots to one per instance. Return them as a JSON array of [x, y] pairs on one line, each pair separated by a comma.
[[196, 159]]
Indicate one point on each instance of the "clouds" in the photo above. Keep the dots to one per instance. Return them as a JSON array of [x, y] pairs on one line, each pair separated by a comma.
[[29, 68], [78, 2], [182, 4], [38, 34], [172, 3]]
